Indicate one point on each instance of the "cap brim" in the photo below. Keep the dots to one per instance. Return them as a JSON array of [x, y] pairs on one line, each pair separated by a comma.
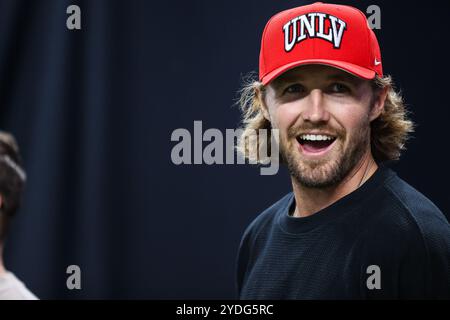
[[345, 66]]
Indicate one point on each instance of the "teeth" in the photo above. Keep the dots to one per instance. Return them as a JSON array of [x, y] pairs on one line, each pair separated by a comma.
[[314, 137]]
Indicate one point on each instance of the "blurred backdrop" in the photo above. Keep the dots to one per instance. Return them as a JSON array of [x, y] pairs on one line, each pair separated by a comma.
[[93, 111]]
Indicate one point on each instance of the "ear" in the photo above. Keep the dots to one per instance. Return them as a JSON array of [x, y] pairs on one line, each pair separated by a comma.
[[259, 96], [378, 105]]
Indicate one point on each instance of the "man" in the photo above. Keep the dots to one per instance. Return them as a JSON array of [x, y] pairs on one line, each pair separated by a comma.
[[351, 228], [12, 181]]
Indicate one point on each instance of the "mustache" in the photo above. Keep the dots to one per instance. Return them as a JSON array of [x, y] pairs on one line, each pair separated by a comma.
[[295, 131]]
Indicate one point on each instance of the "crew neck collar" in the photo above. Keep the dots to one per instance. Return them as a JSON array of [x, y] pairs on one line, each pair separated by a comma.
[[350, 202]]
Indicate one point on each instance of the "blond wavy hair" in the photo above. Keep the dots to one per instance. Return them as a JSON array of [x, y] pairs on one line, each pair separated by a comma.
[[389, 132]]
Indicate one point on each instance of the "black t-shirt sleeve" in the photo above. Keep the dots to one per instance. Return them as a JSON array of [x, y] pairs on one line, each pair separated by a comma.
[[436, 237], [412, 256]]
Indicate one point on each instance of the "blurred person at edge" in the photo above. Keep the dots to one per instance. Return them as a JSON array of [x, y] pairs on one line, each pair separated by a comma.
[[12, 182]]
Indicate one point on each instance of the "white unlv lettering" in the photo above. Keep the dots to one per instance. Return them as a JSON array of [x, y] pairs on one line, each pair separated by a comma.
[[307, 24]]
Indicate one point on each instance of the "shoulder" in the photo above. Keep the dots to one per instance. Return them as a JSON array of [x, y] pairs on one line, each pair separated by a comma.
[[409, 234], [396, 211], [248, 247], [11, 288], [407, 237], [402, 214], [423, 215], [267, 217]]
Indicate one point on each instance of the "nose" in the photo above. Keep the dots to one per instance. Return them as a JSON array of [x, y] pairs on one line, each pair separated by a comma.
[[315, 111]]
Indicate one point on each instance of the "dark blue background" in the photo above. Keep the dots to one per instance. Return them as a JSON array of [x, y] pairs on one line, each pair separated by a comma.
[[93, 111]]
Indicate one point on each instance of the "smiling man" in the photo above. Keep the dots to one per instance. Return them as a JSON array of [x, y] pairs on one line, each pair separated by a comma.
[[351, 228]]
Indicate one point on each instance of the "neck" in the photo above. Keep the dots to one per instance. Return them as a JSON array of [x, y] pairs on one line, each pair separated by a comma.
[[312, 200], [2, 266]]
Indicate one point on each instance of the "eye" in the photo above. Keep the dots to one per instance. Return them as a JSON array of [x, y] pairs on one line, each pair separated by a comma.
[[294, 89], [339, 88]]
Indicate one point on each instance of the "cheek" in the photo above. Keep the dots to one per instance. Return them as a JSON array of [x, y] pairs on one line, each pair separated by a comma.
[[352, 119], [285, 116]]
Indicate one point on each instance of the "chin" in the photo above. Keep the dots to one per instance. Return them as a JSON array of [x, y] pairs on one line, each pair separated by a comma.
[[322, 172]]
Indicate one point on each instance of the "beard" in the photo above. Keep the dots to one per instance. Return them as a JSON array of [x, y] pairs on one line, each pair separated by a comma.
[[334, 166]]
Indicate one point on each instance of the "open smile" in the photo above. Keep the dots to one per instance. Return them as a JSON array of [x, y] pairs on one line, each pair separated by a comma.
[[315, 144]]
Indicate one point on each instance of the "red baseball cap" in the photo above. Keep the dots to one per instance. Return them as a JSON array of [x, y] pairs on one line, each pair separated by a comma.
[[320, 33]]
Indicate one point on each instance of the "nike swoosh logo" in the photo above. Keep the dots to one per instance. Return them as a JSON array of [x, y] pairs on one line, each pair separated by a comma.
[[377, 62]]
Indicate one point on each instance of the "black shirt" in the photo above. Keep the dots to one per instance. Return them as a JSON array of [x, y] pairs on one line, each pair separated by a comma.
[[385, 240]]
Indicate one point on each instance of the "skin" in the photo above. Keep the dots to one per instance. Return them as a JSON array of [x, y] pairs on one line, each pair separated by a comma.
[[2, 266], [321, 99]]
